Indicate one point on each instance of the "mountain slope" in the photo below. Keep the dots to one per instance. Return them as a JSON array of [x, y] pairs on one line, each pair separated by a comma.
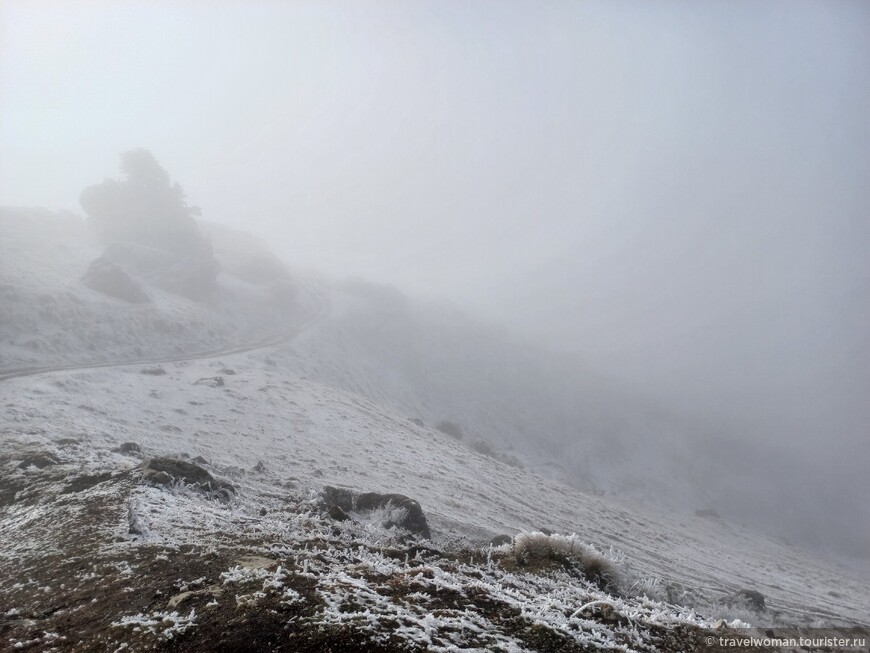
[[279, 439], [238, 546], [569, 423]]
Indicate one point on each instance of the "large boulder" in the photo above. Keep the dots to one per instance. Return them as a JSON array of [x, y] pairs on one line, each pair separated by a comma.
[[111, 279], [408, 514], [169, 471], [191, 276]]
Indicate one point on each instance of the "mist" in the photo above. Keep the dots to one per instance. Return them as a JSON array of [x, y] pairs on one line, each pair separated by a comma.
[[676, 193]]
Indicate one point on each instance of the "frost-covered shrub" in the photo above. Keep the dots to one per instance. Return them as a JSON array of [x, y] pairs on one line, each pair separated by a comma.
[[387, 509], [536, 549], [388, 515]]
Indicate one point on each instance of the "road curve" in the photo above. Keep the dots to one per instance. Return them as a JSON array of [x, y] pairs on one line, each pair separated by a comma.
[[320, 310]]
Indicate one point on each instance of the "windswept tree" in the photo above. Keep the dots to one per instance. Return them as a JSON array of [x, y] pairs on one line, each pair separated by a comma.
[[146, 208]]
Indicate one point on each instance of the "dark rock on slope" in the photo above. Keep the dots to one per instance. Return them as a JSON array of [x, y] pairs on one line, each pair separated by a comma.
[[414, 519], [111, 279], [167, 471]]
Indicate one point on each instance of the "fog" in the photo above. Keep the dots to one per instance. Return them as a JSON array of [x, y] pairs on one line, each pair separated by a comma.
[[675, 192]]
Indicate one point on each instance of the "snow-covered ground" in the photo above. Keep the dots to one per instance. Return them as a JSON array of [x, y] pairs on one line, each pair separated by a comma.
[[573, 424], [307, 435], [93, 557]]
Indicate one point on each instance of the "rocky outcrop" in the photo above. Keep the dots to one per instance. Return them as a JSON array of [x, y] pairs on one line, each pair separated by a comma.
[[168, 472], [111, 279], [409, 515]]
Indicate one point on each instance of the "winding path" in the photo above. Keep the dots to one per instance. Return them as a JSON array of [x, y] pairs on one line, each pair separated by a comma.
[[320, 309]]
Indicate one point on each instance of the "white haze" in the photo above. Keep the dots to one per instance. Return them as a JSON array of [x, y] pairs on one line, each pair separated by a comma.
[[677, 192]]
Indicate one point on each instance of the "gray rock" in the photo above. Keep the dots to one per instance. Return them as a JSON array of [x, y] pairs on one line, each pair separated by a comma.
[[109, 278], [337, 513], [414, 520], [38, 460], [188, 275], [129, 448], [168, 471], [211, 381]]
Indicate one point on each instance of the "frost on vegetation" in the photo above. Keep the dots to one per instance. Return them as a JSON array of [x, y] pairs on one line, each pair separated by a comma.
[[600, 568], [163, 624], [359, 586], [273, 583], [385, 516]]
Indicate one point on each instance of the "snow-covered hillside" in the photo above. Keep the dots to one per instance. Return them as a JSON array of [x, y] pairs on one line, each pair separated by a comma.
[[435, 363], [78, 524], [568, 422], [183, 504], [49, 317]]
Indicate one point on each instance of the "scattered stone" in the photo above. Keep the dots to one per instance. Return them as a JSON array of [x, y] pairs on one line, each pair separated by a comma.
[[413, 520], [336, 513], [227, 371], [256, 562], [260, 467], [38, 460], [129, 448], [153, 371], [263, 512], [134, 524], [167, 471], [210, 381], [178, 599], [111, 279]]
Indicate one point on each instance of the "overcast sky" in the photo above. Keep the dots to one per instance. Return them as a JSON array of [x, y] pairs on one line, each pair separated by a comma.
[[679, 191]]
